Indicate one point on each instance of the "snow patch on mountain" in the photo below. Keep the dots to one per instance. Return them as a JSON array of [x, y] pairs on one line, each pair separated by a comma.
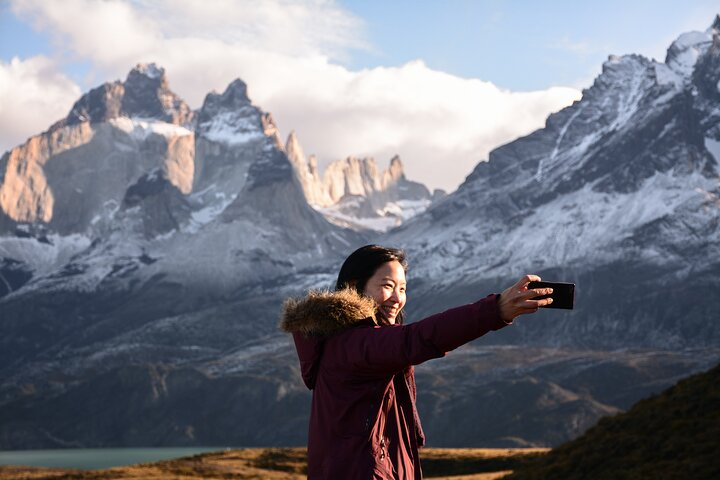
[[391, 215], [713, 146], [232, 128], [667, 76], [43, 256], [628, 104], [585, 217], [141, 128], [405, 209], [378, 224], [684, 52], [207, 214], [549, 163], [83, 264]]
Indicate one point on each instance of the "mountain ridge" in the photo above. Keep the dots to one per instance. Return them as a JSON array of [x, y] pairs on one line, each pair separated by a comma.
[[355, 193], [626, 179]]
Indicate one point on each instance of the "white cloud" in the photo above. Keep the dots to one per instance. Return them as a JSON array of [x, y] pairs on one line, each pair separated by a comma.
[[287, 53], [105, 32], [280, 26], [33, 94], [441, 125]]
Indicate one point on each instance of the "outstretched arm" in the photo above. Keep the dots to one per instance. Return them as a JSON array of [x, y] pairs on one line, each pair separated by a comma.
[[383, 350]]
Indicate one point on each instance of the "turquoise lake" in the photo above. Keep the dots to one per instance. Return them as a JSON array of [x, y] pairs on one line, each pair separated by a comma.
[[97, 458]]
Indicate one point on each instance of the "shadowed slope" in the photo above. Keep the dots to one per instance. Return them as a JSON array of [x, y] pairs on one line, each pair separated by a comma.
[[675, 434]]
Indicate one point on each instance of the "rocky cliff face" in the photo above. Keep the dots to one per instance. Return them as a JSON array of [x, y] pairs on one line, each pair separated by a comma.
[[617, 193], [147, 205], [354, 192], [71, 175], [307, 172]]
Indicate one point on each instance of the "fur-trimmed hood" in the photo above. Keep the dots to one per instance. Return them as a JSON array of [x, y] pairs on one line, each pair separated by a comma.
[[322, 313]]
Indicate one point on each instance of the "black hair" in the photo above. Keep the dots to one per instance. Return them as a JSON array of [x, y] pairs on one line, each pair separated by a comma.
[[362, 264]]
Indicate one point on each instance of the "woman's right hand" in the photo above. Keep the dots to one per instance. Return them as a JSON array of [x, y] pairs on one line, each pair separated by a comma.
[[517, 300]]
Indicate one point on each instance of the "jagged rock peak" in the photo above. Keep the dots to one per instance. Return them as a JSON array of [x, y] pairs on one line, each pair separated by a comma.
[[618, 63], [271, 130], [98, 105], [238, 88], [395, 172], [617, 71], [149, 70], [147, 95], [295, 153], [306, 171], [146, 72], [715, 25], [293, 144], [231, 118], [350, 177], [234, 96], [687, 48], [144, 94]]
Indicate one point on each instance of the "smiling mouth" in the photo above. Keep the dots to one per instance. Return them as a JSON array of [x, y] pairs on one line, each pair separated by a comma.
[[389, 312]]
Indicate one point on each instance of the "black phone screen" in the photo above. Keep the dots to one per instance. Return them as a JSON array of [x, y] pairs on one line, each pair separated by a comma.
[[563, 294]]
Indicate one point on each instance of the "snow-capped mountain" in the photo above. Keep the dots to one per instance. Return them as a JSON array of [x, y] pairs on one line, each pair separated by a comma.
[[78, 171], [165, 235], [147, 250], [132, 172], [140, 233], [618, 193], [354, 193]]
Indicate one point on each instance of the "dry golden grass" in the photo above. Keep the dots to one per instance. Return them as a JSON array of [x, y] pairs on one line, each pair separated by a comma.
[[23, 472], [283, 463], [478, 476], [474, 463]]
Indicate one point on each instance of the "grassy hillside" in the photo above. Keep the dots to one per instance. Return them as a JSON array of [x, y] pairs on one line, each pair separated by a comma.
[[672, 435], [284, 464]]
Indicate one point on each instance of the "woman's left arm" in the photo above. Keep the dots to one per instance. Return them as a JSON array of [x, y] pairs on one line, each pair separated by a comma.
[[386, 350], [389, 349]]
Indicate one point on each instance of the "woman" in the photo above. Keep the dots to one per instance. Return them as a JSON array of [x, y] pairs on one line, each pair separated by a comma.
[[357, 357]]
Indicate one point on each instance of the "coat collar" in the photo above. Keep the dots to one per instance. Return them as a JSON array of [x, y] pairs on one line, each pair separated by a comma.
[[323, 313]]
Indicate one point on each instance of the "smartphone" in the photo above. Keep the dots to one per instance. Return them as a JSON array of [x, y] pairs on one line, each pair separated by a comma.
[[563, 294]]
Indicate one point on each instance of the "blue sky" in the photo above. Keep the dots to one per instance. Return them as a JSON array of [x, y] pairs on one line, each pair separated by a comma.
[[523, 45], [440, 83]]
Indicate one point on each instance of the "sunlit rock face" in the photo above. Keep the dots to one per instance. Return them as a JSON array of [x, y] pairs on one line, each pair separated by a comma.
[[307, 173], [355, 193], [80, 168], [25, 194]]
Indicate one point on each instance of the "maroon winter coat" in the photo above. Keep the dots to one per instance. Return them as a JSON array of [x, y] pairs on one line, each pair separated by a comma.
[[363, 422]]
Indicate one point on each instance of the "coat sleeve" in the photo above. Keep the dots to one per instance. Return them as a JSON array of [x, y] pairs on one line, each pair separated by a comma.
[[385, 350]]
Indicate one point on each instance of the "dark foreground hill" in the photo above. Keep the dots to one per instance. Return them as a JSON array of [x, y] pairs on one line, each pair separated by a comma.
[[673, 435]]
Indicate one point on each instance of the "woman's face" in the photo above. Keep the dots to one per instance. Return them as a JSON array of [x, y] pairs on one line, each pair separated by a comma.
[[387, 287]]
